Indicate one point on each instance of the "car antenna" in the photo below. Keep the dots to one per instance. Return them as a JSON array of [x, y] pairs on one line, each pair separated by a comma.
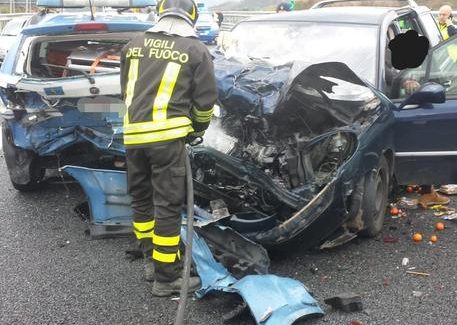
[[91, 11]]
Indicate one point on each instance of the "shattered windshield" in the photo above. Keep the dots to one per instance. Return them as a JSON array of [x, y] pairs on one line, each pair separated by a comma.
[[282, 42]]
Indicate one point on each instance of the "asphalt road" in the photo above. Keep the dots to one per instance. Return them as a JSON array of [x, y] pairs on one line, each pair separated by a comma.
[[50, 273]]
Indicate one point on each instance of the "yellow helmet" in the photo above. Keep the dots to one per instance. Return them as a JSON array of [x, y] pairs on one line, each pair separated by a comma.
[[185, 9]]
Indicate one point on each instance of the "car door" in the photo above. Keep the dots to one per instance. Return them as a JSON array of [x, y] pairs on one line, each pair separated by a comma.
[[425, 135]]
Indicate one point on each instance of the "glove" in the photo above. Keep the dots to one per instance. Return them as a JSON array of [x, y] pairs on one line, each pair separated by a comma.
[[195, 138]]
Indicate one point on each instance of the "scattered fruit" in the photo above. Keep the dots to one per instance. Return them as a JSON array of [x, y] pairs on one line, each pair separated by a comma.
[[394, 211], [439, 226], [433, 238], [409, 189], [417, 237]]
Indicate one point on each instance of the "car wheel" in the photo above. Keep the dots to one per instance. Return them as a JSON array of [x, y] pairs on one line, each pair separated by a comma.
[[23, 165], [375, 199]]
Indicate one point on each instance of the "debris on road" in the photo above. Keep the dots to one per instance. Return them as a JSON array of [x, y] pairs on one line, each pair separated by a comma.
[[394, 211], [418, 273], [407, 203], [439, 226], [405, 261], [450, 217], [450, 189], [417, 293], [443, 210], [417, 237], [356, 322], [390, 239], [348, 302], [63, 244], [313, 269]]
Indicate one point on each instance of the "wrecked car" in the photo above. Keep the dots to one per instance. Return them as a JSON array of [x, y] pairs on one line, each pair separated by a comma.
[[299, 150]]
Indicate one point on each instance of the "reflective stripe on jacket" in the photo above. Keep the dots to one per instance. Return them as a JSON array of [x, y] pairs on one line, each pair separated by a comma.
[[168, 86]]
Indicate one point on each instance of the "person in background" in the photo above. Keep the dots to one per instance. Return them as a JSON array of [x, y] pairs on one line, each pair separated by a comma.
[[445, 22], [218, 17], [283, 7]]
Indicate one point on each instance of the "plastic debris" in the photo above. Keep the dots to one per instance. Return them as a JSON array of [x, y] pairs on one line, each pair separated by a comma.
[[408, 203], [356, 322], [405, 261], [450, 217], [441, 211], [347, 301], [313, 269], [450, 189], [417, 293], [418, 273]]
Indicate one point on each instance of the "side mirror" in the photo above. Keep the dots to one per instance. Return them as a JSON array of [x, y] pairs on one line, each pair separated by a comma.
[[429, 92]]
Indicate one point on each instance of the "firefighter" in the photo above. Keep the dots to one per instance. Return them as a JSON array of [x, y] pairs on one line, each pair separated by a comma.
[[169, 88]]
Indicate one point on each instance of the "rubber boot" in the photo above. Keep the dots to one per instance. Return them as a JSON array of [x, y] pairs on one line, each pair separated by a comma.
[[165, 289], [433, 198]]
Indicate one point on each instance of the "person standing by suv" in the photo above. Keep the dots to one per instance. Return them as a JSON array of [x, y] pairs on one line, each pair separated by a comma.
[[445, 22], [169, 88]]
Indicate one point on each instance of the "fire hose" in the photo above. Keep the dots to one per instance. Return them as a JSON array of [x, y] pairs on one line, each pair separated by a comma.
[[190, 229]]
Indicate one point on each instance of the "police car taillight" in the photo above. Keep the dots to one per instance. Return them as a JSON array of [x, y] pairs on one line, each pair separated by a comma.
[[90, 27]]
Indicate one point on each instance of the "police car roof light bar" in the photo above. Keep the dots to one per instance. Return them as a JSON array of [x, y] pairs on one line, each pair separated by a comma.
[[95, 3]]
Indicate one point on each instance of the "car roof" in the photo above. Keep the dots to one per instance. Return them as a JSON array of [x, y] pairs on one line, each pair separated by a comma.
[[64, 23], [352, 14]]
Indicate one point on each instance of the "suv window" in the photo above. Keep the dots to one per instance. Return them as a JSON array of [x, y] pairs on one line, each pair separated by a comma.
[[440, 66], [433, 33]]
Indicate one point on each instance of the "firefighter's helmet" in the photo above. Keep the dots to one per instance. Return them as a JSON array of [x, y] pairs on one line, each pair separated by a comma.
[[185, 9]]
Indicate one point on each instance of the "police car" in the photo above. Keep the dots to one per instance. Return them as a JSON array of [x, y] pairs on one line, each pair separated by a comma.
[[59, 85]]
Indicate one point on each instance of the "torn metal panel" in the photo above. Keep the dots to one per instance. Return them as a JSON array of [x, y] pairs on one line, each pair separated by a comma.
[[237, 253], [277, 300], [272, 300], [109, 201]]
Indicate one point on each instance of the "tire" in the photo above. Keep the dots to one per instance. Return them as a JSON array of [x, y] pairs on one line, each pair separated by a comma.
[[375, 199], [23, 165]]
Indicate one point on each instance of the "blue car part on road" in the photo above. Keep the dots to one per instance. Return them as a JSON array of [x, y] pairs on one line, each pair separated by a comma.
[[283, 300], [272, 300], [109, 202]]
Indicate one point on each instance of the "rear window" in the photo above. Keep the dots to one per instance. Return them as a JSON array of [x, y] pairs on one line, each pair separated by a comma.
[[68, 56], [13, 27]]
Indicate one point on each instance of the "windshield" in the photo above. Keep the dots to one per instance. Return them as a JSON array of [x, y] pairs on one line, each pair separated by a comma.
[[282, 42], [13, 27]]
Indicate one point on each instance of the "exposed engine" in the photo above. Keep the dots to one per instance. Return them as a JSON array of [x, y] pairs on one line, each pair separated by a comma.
[[259, 172]]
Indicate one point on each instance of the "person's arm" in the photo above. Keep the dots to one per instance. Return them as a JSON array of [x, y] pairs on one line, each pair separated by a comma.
[[204, 94]]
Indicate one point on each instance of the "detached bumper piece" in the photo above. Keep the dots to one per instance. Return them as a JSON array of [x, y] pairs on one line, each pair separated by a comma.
[[272, 300], [109, 202]]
